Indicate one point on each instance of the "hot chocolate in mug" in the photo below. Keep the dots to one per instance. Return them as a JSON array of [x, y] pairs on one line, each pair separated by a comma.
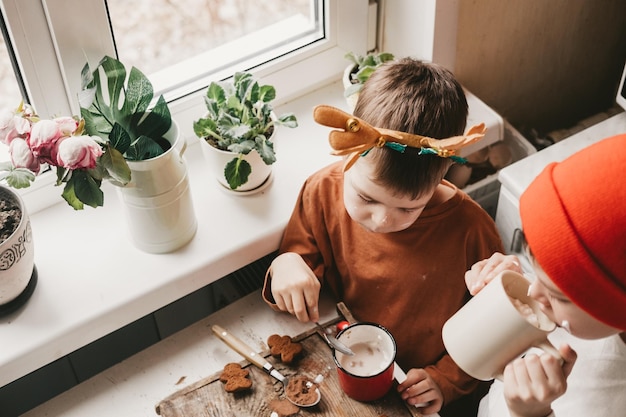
[[497, 326], [368, 374]]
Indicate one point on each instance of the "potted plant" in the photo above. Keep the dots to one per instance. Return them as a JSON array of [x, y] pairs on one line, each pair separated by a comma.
[[156, 193], [238, 128], [18, 275], [359, 70]]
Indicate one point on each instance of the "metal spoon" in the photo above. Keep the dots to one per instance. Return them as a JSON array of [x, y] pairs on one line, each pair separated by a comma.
[[254, 358], [333, 342]]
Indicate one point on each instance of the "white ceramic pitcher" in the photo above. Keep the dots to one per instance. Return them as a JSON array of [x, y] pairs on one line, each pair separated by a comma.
[[159, 207]]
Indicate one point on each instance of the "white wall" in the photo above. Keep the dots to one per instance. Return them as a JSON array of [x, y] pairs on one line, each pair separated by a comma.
[[423, 29]]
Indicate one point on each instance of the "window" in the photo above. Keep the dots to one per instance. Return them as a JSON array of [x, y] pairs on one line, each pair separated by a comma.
[[11, 94], [192, 39], [53, 39]]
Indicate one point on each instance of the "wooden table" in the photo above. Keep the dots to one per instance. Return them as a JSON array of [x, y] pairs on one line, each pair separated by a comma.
[[208, 397]]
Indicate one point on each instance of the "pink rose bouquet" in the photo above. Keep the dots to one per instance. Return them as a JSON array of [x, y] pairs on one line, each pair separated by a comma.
[[35, 144], [115, 126]]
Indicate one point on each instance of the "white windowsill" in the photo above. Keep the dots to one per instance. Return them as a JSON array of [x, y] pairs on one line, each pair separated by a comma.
[[93, 281]]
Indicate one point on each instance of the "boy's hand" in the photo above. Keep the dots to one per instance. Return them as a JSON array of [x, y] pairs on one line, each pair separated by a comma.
[[482, 272], [420, 388], [533, 382], [295, 287]]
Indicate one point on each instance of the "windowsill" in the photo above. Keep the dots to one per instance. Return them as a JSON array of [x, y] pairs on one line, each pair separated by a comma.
[[93, 281]]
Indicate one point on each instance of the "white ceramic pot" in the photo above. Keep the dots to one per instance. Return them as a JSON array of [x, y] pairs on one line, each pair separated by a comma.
[[352, 99], [17, 254], [217, 160], [159, 207]]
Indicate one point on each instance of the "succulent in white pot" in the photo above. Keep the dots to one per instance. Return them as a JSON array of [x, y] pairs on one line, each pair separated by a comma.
[[359, 70], [240, 123]]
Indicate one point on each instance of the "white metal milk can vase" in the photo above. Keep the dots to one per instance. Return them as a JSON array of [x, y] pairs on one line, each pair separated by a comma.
[[158, 203]]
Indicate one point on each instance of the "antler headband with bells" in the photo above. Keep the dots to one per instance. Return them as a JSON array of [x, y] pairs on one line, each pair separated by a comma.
[[358, 137]]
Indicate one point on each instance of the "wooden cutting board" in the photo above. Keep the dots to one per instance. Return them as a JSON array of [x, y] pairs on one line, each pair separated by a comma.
[[207, 397]]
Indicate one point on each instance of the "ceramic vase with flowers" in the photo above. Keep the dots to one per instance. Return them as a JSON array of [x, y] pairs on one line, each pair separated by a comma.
[[238, 131], [157, 196]]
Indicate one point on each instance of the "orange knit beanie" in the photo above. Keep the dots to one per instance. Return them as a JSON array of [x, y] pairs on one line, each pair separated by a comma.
[[574, 219]]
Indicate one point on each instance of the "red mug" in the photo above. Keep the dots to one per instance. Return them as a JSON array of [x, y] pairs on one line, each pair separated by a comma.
[[368, 374]]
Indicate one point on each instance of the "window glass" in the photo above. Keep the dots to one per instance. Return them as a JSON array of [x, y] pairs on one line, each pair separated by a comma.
[[175, 43], [11, 94]]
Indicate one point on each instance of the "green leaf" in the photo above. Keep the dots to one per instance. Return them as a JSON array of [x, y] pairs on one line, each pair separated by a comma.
[[125, 102], [384, 57], [19, 177], [242, 147], [206, 128], [115, 164], [237, 131], [216, 93], [364, 73], [265, 148], [119, 138], [267, 93], [63, 175], [288, 120], [352, 89], [139, 93], [155, 124], [86, 188], [237, 172], [70, 196], [143, 148]]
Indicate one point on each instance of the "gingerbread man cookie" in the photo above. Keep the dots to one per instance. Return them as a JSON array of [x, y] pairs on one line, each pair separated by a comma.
[[284, 347], [235, 378]]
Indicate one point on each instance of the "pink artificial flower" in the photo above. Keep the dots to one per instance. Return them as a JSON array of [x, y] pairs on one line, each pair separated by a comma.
[[43, 140], [67, 125], [76, 152], [12, 126], [22, 157]]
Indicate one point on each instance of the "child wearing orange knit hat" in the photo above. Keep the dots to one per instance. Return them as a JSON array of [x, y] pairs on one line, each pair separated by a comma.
[[574, 222]]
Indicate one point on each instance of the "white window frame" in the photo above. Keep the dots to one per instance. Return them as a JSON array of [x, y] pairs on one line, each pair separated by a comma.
[[53, 42]]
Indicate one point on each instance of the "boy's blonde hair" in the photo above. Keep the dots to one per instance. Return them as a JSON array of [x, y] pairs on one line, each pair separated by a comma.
[[416, 97]]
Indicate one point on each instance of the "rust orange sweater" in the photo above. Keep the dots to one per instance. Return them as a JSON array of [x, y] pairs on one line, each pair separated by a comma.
[[410, 281]]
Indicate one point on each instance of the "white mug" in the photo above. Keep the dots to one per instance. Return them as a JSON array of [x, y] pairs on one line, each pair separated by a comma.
[[496, 326]]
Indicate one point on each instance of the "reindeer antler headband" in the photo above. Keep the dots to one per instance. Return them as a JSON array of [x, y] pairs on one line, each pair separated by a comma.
[[358, 137]]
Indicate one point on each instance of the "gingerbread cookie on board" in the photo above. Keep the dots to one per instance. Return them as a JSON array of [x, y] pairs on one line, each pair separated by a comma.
[[284, 347], [235, 378]]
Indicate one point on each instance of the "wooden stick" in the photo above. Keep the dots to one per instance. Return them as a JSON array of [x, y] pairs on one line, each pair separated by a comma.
[[345, 312]]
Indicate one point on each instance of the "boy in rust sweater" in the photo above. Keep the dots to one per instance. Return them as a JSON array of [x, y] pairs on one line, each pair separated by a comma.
[[384, 232]]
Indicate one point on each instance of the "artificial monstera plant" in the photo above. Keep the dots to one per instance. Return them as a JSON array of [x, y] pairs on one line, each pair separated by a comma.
[[116, 106], [240, 119]]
